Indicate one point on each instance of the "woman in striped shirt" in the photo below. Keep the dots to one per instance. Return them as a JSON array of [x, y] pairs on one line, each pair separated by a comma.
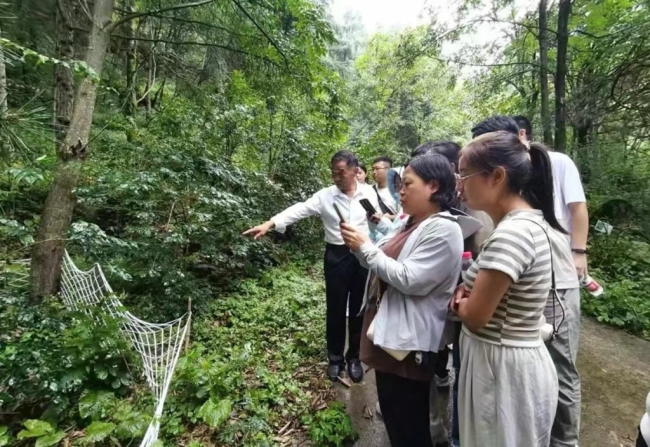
[[508, 386]]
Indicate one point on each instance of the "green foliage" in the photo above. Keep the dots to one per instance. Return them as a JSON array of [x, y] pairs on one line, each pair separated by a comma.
[[111, 416], [4, 436], [252, 366], [49, 357], [98, 431], [404, 97], [619, 263], [44, 434], [215, 413], [26, 55], [331, 426]]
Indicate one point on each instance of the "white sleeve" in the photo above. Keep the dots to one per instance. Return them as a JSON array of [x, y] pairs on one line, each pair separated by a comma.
[[571, 184], [384, 226], [310, 207]]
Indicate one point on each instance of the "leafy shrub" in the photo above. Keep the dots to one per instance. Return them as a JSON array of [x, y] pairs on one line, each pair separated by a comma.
[[620, 263], [254, 363], [50, 356], [331, 426]]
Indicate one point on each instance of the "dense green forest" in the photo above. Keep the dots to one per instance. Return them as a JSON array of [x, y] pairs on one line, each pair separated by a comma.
[[146, 135]]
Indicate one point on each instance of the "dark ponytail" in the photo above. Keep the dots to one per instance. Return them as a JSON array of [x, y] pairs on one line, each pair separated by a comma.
[[539, 190], [528, 171]]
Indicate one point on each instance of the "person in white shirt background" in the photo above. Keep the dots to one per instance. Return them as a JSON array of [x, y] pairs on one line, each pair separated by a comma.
[[571, 213], [344, 277], [387, 203], [570, 201]]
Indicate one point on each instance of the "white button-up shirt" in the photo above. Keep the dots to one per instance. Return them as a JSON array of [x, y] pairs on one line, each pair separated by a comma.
[[322, 204]]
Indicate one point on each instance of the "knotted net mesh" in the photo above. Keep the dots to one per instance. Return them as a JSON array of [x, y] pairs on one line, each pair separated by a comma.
[[159, 345]]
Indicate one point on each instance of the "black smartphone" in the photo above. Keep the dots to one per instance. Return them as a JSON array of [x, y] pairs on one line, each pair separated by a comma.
[[365, 203], [338, 211]]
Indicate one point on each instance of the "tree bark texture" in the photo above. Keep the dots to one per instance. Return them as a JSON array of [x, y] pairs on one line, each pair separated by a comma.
[[59, 205], [131, 69], [543, 72], [560, 74], [63, 76]]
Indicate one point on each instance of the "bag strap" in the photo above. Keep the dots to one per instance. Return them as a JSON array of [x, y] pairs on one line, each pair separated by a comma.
[[553, 284], [550, 247], [385, 209]]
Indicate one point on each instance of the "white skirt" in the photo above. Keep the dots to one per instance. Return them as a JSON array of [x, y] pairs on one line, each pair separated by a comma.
[[507, 397]]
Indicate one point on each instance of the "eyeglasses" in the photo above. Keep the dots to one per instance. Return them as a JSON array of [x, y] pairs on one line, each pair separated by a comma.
[[462, 178]]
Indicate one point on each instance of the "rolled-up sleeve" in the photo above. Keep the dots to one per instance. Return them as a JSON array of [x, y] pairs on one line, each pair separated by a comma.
[[298, 211]]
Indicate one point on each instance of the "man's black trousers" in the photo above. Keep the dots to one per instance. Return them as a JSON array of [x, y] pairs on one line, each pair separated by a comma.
[[344, 277]]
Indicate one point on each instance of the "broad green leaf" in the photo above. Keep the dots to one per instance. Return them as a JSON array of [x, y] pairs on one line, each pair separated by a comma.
[[215, 413], [93, 404], [35, 428], [4, 440], [98, 431], [50, 440]]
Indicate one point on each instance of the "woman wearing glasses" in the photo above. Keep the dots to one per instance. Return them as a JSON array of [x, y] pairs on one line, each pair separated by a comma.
[[508, 387]]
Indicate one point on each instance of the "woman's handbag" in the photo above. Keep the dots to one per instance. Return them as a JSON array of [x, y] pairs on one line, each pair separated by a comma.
[[396, 354]]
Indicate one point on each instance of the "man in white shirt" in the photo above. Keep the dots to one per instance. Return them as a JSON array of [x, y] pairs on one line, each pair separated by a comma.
[[570, 202], [387, 203], [571, 211], [344, 277]]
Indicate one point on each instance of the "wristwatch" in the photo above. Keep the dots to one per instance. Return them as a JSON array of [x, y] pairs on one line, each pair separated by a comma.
[[580, 251]]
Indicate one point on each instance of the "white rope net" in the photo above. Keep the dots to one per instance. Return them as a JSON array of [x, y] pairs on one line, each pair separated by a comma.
[[14, 275], [159, 345]]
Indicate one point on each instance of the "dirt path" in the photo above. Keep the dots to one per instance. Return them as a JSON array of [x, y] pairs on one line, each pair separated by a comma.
[[615, 370]]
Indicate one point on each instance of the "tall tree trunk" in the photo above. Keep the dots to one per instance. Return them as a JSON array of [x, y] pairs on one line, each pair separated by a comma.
[[4, 146], [560, 74], [63, 76], [543, 72], [3, 81], [151, 78], [60, 202], [131, 67]]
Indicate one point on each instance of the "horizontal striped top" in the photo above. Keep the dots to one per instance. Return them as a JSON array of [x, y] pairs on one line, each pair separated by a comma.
[[520, 249]]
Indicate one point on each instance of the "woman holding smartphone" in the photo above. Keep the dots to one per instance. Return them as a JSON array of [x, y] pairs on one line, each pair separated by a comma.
[[413, 274]]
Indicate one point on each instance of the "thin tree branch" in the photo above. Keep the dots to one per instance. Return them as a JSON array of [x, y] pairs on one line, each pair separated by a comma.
[[84, 6], [135, 15], [66, 17], [207, 25], [201, 44], [504, 64], [152, 81], [271, 41]]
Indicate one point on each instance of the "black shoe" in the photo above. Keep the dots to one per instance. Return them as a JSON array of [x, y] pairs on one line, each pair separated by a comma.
[[355, 370], [334, 371]]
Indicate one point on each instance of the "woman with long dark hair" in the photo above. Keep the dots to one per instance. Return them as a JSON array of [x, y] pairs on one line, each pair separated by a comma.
[[413, 274], [508, 386]]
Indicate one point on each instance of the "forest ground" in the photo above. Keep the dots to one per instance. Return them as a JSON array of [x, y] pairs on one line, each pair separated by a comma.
[[615, 371]]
